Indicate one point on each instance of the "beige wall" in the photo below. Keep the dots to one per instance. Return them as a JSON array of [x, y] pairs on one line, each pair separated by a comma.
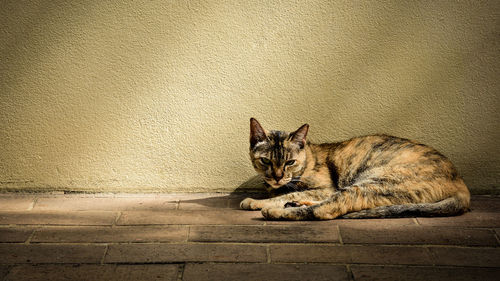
[[156, 95]]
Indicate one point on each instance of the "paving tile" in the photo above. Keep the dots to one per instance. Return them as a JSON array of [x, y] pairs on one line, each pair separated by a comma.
[[4, 269], [358, 222], [234, 203], [268, 272], [170, 196], [58, 217], [62, 194], [98, 234], [414, 234], [94, 272], [308, 223], [50, 253], [368, 223], [266, 234], [350, 254], [470, 219], [461, 256], [413, 273], [204, 203], [235, 199], [145, 272], [153, 253], [106, 204], [241, 196], [191, 217], [15, 234], [194, 196], [16, 203]]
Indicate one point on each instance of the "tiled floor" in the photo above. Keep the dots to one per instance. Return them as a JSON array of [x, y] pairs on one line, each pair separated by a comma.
[[205, 237]]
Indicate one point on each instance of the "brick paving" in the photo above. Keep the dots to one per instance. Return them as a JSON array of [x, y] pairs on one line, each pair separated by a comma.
[[205, 237]]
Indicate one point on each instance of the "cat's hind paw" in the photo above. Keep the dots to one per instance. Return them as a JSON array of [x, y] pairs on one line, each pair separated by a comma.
[[291, 213], [273, 213]]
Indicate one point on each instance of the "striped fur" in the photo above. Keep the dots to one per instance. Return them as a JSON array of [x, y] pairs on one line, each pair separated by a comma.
[[364, 177]]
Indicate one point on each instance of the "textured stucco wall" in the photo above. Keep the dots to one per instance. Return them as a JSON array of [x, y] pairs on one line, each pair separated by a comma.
[[156, 95]]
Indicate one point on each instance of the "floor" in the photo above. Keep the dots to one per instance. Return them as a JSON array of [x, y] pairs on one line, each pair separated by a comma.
[[205, 237]]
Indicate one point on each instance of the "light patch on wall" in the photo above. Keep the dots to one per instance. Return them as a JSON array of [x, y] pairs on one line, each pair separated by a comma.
[[156, 96]]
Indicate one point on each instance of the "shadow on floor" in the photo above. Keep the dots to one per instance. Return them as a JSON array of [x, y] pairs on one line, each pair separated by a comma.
[[253, 187]]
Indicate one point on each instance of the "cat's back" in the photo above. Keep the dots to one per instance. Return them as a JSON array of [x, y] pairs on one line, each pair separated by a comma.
[[365, 155], [386, 148]]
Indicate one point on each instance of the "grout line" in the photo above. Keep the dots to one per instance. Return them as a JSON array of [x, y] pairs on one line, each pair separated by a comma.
[[105, 253], [118, 216], [433, 257], [188, 233], [210, 262], [28, 241], [7, 272], [496, 236], [349, 272], [9, 267], [416, 221], [261, 244], [33, 203], [180, 272], [177, 204], [268, 254], [256, 224], [340, 236]]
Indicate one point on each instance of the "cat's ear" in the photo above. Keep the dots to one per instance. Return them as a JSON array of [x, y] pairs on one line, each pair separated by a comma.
[[257, 133], [299, 136]]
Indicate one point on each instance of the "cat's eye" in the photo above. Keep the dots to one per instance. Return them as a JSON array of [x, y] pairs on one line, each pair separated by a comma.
[[289, 162], [265, 161]]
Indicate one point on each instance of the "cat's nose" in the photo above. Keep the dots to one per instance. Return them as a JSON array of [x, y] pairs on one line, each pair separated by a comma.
[[278, 178], [278, 175]]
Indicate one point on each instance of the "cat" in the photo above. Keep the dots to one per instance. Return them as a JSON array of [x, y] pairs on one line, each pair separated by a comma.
[[375, 176]]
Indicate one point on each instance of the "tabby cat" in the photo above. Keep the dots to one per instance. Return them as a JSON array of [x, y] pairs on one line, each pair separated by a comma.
[[364, 177]]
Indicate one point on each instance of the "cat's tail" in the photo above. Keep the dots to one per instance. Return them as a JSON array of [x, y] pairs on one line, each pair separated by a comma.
[[448, 207]]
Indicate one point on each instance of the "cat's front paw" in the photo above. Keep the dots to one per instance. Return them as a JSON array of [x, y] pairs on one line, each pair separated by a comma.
[[250, 204]]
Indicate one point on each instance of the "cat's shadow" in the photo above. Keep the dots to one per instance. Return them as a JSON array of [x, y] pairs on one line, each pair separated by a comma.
[[253, 187], [254, 184]]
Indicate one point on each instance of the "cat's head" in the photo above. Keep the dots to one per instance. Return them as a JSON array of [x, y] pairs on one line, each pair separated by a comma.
[[280, 157]]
